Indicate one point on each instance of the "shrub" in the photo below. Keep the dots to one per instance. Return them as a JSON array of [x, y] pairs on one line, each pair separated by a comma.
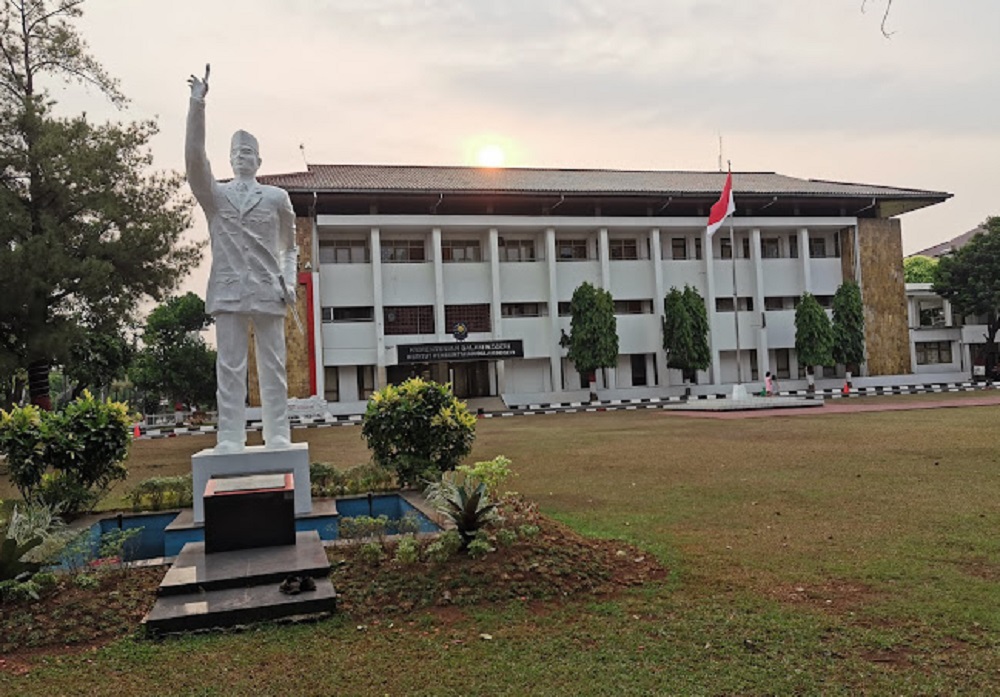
[[408, 550], [372, 553], [362, 526], [451, 540], [438, 552], [464, 502], [25, 532], [493, 473], [157, 493], [527, 531], [327, 480], [418, 429], [479, 548], [506, 537], [409, 524], [69, 458]]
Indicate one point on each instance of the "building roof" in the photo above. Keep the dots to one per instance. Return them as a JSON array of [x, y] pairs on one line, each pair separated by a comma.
[[478, 180], [951, 245]]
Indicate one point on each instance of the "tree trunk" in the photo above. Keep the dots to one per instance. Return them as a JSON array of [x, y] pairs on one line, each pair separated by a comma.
[[38, 384], [810, 379]]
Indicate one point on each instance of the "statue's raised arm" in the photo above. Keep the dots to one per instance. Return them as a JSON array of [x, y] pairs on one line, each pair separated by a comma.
[[199, 171]]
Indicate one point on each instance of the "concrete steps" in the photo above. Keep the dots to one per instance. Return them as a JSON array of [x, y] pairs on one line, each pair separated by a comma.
[[202, 591]]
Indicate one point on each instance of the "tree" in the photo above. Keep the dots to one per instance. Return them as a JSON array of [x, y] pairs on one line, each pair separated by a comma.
[[969, 278], [813, 336], [98, 360], [848, 327], [685, 330], [593, 334], [919, 269], [87, 232], [174, 361]]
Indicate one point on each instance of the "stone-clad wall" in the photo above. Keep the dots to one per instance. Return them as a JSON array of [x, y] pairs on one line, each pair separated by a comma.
[[297, 355], [880, 245]]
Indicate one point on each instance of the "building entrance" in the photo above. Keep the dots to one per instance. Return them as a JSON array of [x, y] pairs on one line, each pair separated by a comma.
[[470, 379]]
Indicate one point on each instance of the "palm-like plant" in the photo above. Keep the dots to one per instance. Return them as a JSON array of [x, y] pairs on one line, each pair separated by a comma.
[[466, 503]]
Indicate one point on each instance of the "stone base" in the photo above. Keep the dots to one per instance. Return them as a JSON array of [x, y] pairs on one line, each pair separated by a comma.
[[255, 459]]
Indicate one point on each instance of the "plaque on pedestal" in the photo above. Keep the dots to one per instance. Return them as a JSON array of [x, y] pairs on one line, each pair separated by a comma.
[[249, 511]]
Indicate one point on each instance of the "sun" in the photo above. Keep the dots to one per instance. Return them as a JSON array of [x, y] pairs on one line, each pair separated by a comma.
[[490, 155]]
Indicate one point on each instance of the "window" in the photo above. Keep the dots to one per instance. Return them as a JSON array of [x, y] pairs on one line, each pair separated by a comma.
[[933, 352], [829, 371], [475, 317], [633, 307], [331, 383], [774, 303], [350, 251], [517, 250], [348, 314], [825, 301], [571, 250], [678, 248], [461, 250], [726, 304], [725, 248], [931, 313], [817, 247], [697, 248], [781, 363], [746, 248], [523, 310], [366, 381], [402, 251], [793, 246], [770, 248], [564, 310], [622, 249], [409, 319], [638, 370], [754, 372]]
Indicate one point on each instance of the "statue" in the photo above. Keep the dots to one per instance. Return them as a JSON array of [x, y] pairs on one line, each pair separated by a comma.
[[252, 281]]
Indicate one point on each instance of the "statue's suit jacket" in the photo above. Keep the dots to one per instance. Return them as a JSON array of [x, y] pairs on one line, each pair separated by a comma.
[[252, 234]]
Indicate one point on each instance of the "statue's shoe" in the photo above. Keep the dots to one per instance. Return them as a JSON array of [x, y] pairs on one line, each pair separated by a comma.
[[278, 443], [227, 447]]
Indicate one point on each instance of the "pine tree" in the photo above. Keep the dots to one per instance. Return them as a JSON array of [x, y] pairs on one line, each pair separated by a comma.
[[848, 327]]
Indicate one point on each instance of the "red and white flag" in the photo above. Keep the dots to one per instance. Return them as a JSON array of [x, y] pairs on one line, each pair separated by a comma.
[[722, 208]]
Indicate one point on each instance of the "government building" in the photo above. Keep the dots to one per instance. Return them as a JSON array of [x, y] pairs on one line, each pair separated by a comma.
[[465, 274]]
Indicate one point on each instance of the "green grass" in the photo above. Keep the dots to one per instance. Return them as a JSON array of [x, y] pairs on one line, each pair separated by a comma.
[[839, 554]]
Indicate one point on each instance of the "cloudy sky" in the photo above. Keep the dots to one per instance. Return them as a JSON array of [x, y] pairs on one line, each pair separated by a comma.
[[807, 88]]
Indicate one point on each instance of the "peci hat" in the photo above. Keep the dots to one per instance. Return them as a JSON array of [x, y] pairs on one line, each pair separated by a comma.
[[241, 138]]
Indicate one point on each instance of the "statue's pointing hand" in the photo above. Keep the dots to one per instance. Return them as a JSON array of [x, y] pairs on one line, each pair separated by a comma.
[[199, 87]]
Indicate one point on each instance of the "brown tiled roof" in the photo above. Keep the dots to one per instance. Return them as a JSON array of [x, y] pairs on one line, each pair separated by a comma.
[[951, 245], [425, 179]]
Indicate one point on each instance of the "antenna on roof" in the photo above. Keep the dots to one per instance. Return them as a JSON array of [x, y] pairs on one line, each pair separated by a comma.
[[302, 149], [720, 151]]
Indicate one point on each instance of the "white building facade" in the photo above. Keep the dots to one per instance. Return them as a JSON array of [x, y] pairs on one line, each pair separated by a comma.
[[465, 275]]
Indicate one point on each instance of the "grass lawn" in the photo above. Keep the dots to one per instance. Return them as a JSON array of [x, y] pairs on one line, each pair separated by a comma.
[[837, 554]]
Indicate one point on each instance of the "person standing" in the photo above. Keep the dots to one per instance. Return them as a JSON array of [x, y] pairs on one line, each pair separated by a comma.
[[252, 280], [768, 384]]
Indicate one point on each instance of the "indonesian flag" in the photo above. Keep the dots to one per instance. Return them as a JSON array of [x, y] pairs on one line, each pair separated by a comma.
[[722, 208]]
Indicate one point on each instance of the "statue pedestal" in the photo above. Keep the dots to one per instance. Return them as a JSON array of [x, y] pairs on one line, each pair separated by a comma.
[[255, 459]]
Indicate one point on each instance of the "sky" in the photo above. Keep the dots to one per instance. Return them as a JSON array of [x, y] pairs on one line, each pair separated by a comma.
[[806, 88]]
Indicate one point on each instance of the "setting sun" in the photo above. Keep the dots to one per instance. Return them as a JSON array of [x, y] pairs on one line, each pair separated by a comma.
[[491, 155]]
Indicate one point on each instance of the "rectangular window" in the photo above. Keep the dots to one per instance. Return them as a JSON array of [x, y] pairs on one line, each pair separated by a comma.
[[331, 383], [366, 381], [793, 246], [476, 318], [774, 303], [829, 371], [746, 248], [348, 314], [461, 250], [517, 250], [817, 247], [931, 313], [770, 248], [409, 319], [697, 248], [623, 249], [825, 301], [725, 248], [633, 307], [678, 248], [754, 373], [524, 310], [403, 251], [564, 310], [781, 363], [726, 304], [639, 370], [349, 251], [571, 250], [933, 352]]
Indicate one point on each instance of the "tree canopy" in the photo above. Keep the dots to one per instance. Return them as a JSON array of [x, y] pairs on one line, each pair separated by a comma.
[[685, 330], [919, 269], [848, 326], [593, 337], [813, 334], [174, 361], [969, 278], [88, 230]]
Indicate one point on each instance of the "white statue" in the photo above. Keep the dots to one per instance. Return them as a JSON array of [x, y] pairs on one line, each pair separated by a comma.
[[253, 277]]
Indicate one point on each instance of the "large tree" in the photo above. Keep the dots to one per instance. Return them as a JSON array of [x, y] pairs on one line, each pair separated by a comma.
[[87, 230], [593, 336], [969, 278], [848, 327], [685, 330], [174, 361], [813, 336], [919, 269]]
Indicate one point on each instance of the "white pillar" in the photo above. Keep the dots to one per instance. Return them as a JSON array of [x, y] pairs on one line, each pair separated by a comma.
[[658, 293], [804, 256], [555, 350], [379, 309], [603, 254], [495, 309], [439, 328], [763, 359]]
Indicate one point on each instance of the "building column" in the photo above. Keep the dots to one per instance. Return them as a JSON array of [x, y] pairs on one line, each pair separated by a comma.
[[660, 357], [379, 309], [439, 328], [603, 253], [495, 306], [804, 256], [555, 350], [710, 308], [763, 359]]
